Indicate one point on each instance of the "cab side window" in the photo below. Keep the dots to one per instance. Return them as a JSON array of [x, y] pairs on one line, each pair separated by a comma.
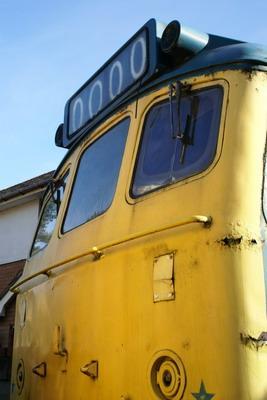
[[96, 177], [165, 158], [49, 214]]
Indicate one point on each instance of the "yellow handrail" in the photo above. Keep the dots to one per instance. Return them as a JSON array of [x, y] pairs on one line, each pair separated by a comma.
[[97, 251]]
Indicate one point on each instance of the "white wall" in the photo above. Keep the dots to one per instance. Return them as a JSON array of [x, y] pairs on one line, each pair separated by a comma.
[[17, 227]]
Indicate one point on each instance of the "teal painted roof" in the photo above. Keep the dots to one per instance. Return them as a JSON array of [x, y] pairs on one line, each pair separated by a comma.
[[219, 54], [232, 53]]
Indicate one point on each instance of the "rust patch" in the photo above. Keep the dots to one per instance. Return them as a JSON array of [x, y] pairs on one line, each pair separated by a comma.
[[236, 240], [252, 342], [231, 241], [186, 345], [250, 73]]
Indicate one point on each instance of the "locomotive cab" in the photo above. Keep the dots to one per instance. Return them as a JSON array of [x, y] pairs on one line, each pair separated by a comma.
[[146, 275]]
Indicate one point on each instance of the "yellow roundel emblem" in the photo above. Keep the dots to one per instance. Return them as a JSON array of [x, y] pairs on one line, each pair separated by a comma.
[[167, 376]]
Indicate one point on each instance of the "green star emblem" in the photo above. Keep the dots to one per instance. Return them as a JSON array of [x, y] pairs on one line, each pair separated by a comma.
[[203, 394]]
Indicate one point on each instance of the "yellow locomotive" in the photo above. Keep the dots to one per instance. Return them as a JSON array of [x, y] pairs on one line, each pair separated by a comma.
[[147, 275]]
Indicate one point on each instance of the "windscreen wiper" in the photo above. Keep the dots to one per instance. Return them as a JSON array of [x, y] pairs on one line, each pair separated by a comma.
[[190, 127], [176, 89], [54, 188]]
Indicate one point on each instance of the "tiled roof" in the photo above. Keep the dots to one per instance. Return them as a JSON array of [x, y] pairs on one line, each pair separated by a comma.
[[28, 186]]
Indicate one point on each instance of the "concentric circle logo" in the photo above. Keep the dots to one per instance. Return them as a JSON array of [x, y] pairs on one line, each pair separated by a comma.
[[167, 376]]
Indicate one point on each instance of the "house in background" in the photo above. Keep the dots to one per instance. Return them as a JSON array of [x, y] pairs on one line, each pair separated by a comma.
[[19, 209]]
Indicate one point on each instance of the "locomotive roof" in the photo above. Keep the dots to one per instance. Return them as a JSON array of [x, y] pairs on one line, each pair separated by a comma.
[[223, 53], [220, 54]]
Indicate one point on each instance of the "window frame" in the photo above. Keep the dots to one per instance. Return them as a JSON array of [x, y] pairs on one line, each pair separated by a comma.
[[223, 84], [44, 201], [84, 148]]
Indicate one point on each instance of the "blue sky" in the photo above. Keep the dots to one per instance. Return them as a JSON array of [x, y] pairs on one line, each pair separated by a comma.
[[49, 48]]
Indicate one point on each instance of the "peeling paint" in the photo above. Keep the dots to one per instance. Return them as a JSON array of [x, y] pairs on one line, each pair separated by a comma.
[[231, 241], [250, 73], [254, 343], [235, 241]]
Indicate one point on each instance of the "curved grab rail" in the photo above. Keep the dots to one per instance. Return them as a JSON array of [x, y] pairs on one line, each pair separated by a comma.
[[97, 251]]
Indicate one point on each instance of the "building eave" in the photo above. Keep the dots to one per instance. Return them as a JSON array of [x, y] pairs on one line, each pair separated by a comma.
[[24, 192]]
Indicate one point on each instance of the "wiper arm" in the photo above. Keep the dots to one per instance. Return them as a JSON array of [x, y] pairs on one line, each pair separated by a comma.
[[190, 127], [177, 89], [54, 188]]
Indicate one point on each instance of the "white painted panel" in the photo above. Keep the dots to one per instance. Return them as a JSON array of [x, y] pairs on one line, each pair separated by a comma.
[[17, 227]]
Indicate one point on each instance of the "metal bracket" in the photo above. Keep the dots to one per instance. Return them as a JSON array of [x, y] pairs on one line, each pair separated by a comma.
[[97, 254], [58, 342], [90, 369], [40, 370]]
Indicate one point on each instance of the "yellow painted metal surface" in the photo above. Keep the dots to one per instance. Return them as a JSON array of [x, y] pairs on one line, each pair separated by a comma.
[[91, 324]]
